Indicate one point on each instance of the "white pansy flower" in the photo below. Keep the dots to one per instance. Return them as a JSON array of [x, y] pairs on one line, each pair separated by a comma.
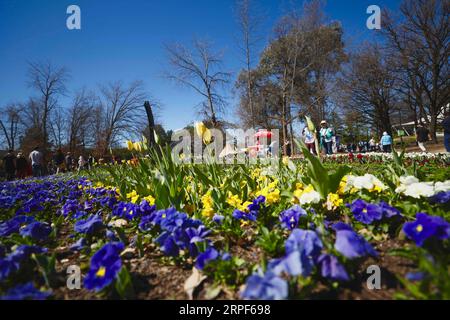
[[367, 181], [442, 186], [407, 180], [309, 197], [419, 189]]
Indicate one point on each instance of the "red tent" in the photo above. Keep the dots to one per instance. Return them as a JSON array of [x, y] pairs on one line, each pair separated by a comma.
[[263, 133]]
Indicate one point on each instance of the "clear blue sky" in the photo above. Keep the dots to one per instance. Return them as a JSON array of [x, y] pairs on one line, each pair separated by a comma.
[[122, 40]]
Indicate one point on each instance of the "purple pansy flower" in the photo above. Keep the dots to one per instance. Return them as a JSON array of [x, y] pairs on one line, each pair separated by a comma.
[[105, 265], [205, 257], [331, 268], [351, 245], [425, 227], [36, 230], [25, 291], [289, 218], [365, 212], [265, 287], [89, 226]]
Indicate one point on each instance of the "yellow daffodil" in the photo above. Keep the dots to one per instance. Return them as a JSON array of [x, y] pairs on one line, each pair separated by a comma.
[[233, 200], [137, 146], [203, 132], [129, 145], [207, 202]]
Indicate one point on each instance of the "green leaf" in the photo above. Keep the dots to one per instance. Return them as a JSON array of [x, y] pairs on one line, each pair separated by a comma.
[[123, 284]]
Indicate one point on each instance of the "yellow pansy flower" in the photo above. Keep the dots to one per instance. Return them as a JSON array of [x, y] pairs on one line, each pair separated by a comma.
[[333, 201], [133, 196], [150, 200]]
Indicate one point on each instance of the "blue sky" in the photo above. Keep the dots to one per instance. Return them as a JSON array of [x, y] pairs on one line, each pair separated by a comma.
[[123, 40]]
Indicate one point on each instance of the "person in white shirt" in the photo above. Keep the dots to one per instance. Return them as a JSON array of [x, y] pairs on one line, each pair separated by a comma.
[[36, 162], [309, 138], [81, 163]]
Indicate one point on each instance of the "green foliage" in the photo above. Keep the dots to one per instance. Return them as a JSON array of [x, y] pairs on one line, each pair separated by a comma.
[[322, 180], [270, 241]]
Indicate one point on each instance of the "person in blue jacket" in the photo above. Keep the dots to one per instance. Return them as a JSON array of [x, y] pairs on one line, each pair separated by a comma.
[[386, 142]]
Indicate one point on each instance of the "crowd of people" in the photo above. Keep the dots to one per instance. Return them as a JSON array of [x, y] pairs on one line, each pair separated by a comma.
[[328, 142], [18, 166]]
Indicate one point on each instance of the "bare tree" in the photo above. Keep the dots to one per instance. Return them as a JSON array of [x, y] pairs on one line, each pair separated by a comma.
[[57, 127], [49, 81], [367, 87], [420, 38], [199, 69], [80, 120], [10, 123], [122, 111], [249, 22]]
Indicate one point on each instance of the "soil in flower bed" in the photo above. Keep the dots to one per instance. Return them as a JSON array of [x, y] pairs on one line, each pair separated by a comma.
[[390, 266], [155, 278]]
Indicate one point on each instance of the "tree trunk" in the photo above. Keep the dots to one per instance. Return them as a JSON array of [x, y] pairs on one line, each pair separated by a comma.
[[151, 123]]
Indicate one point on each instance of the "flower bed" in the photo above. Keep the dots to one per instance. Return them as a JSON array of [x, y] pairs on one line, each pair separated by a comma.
[[157, 229]]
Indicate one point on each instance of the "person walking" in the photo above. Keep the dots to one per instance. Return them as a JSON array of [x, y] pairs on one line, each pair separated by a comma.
[[372, 144], [21, 166], [9, 162], [68, 161], [36, 162], [310, 140], [386, 142], [422, 136], [81, 163], [446, 126], [59, 161], [326, 137]]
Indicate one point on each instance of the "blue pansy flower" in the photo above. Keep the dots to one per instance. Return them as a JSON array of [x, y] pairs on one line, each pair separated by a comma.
[[304, 240], [71, 206], [241, 215], [265, 287], [25, 291], [289, 218], [89, 226], [11, 263], [425, 227], [218, 218], [204, 258], [351, 245], [36, 230], [442, 197], [105, 265], [302, 248], [331, 268], [78, 245], [13, 225], [341, 226], [389, 211], [416, 276], [146, 208], [365, 212]]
